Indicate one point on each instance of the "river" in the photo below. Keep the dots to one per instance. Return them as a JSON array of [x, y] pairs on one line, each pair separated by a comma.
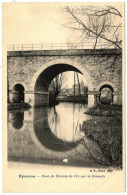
[[49, 135]]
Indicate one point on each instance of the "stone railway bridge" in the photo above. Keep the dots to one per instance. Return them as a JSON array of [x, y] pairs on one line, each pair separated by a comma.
[[31, 72]]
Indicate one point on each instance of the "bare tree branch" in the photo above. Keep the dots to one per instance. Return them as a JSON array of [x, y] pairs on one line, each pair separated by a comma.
[[96, 23], [56, 85]]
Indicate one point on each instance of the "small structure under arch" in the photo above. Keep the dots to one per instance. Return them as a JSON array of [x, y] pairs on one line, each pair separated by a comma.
[[17, 93]]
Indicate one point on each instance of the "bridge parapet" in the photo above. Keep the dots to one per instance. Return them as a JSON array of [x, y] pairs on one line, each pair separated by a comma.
[[58, 46], [74, 52]]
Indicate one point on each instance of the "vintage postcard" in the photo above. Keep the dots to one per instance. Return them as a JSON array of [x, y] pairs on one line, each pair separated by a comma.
[[63, 97]]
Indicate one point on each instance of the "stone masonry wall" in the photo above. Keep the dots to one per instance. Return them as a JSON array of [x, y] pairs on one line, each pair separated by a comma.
[[101, 67]]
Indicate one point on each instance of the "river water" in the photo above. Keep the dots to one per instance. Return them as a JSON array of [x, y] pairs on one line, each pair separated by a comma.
[[49, 135]]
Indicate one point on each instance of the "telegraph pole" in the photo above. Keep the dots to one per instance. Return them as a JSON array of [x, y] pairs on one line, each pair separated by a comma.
[[74, 86], [78, 85]]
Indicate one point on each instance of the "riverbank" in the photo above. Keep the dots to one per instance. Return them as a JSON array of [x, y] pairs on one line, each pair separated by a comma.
[[106, 130], [105, 110], [16, 106]]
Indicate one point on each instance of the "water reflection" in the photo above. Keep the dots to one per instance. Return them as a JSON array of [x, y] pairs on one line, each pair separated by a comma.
[[65, 121], [58, 128], [47, 133], [17, 119]]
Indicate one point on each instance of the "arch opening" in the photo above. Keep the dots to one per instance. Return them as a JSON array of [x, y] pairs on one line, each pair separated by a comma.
[[17, 93], [45, 74], [44, 79], [106, 94]]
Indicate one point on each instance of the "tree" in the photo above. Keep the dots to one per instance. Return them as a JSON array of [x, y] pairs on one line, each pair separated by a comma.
[[56, 86], [96, 24]]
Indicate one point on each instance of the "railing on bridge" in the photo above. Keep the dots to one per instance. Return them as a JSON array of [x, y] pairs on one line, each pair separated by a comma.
[[57, 46]]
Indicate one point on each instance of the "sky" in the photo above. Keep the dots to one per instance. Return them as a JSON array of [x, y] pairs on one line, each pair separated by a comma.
[[70, 79], [37, 23]]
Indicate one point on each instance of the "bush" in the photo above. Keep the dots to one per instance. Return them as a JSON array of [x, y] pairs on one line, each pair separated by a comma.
[[107, 132]]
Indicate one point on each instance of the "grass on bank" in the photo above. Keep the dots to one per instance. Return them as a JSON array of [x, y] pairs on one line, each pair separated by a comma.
[[105, 110], [106, 130]]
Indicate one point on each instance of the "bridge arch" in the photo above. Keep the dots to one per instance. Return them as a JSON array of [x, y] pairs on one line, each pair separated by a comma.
[[106, 83], [111, 86], [17, 90], [63, 61], [18, 82], [46, 73]]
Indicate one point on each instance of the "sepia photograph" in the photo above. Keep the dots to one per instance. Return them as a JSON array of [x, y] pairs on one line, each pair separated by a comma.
[[64, 69]]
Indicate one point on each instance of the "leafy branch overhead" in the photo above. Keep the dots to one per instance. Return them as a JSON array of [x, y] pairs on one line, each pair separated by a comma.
[[97, 24]]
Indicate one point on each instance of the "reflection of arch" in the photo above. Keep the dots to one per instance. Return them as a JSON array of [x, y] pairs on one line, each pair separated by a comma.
[[17, 93], [44, 134], [64, 62], [17, 120], [47, 151], [52, 154]]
